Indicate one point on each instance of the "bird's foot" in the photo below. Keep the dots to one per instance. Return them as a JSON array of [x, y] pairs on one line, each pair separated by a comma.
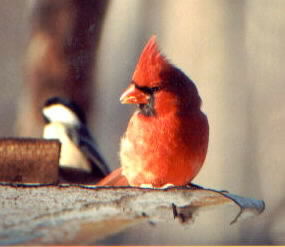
[[146, 186], [150, 186], [166, 186]]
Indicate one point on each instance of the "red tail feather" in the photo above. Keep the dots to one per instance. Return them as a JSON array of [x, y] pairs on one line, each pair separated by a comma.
[[115, 178]]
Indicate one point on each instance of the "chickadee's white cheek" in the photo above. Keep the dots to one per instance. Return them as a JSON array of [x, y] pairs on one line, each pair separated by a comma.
[[54, 131], [59, 113]]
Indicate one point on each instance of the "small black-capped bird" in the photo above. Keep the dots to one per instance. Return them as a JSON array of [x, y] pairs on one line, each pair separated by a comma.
[[66, 121]]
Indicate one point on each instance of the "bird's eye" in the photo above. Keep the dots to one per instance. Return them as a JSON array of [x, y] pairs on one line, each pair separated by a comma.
[[154, 89], [148, 90]]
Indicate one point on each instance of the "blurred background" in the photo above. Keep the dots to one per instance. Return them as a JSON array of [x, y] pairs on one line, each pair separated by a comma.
[[233, 50]]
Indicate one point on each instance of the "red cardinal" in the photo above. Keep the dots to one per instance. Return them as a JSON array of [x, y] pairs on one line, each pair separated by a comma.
[[167, 136]]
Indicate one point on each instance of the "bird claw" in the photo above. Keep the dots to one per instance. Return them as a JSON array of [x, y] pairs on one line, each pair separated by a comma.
[[150, 186], [166, 186], [146, 186]]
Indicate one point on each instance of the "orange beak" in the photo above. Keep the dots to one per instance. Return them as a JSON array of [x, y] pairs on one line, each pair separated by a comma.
[[132, 95]]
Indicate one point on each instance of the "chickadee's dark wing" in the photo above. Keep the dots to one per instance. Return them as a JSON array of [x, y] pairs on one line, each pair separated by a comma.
[[88, 146]]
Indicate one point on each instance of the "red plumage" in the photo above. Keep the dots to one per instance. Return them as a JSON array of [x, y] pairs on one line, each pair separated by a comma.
[[167, 137], [114, 179]]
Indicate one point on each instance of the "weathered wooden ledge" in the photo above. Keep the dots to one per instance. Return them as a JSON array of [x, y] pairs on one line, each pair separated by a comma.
[[66, 214]]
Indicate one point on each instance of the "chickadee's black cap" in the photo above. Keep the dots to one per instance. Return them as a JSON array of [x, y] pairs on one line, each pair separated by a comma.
[[69, 104]]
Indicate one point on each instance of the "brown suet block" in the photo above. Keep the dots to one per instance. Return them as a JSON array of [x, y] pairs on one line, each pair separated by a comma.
[[27, 160]]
